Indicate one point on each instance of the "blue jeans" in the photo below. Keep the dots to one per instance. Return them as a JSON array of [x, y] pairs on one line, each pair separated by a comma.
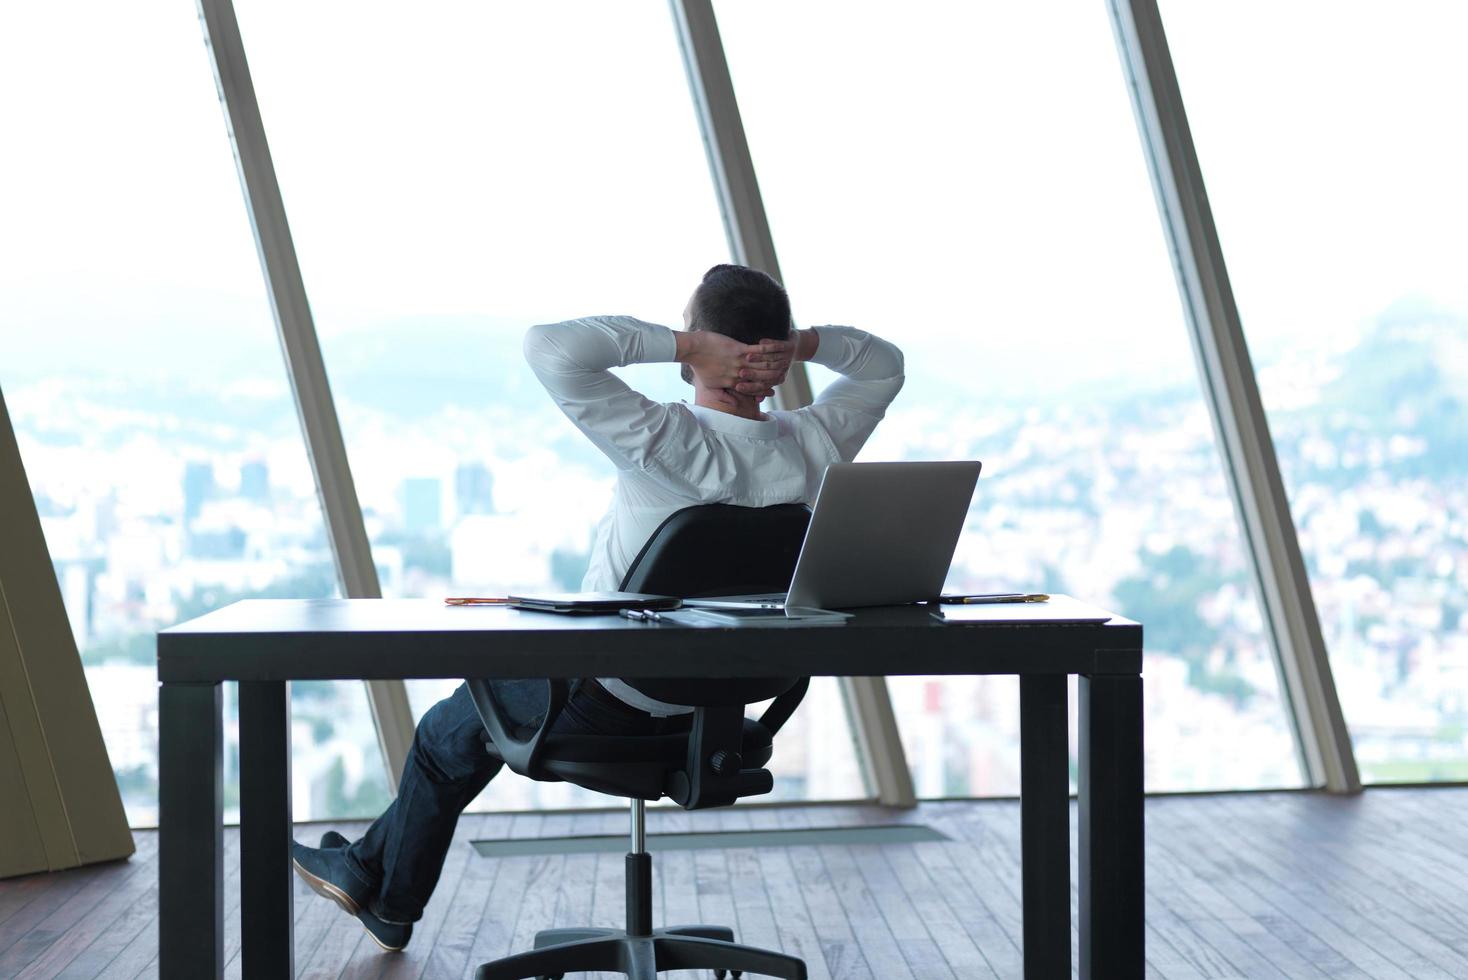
[[402, 853]]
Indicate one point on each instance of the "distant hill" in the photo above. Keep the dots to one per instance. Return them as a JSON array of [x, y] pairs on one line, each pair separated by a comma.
[[415, 368], [1407, 376], [1411, 359]]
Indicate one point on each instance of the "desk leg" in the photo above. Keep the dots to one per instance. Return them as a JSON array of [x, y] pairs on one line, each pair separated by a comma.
[[267, 948], [1112, 828], [190, 832], [1044, 778]]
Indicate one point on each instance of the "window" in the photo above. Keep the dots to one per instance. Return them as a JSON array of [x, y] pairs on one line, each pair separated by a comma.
[[144, 381], [1335, 166], [967, 180], [453, 176]]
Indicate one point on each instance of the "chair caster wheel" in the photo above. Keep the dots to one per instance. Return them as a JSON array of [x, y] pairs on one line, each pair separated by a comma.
[[721, 974]]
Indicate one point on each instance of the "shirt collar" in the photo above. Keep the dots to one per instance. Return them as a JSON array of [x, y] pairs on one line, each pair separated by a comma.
[[712, 418]]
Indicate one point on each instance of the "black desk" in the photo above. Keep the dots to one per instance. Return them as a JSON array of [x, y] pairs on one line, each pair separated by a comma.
[[262, 644]]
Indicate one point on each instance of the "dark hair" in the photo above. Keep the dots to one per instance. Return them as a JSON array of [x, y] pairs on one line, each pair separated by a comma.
[[741, 303]]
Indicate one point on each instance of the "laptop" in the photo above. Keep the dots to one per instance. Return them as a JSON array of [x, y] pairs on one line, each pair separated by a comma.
[[881, 534]]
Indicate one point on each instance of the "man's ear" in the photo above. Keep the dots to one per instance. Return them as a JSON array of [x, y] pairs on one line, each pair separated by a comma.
[[687, 373]]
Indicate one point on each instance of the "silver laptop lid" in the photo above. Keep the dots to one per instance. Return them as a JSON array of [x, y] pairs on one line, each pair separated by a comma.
[[882, 533]]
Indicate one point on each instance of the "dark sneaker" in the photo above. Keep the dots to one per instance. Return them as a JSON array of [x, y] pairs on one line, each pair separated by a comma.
[[325, 870]]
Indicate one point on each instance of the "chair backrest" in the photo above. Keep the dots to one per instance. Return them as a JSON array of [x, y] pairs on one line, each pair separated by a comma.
[[757, 548], [719, 549]]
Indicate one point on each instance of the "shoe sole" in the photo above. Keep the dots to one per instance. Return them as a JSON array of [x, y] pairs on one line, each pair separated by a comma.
[[344, 901]]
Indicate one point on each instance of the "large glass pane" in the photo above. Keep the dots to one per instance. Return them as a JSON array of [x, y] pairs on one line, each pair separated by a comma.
[[139, 362], [453, 176], [967, 180], [1335, 164]]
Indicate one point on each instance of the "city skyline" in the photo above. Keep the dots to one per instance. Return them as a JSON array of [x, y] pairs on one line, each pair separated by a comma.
[[141, 553]]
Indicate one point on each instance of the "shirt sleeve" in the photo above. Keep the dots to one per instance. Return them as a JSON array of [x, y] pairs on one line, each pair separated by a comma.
[[871, 376], [573, 361]]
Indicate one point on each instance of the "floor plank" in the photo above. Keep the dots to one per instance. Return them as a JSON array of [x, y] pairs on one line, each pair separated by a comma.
[[90, 914], [1276, 885]]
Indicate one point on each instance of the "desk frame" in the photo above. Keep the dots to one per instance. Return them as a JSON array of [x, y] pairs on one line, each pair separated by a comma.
[[195, 658]]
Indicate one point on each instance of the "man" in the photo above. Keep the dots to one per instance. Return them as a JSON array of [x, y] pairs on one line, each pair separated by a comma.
[[721, 449]]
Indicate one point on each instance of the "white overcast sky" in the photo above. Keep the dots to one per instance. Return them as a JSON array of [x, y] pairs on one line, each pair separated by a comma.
[[959, 172]]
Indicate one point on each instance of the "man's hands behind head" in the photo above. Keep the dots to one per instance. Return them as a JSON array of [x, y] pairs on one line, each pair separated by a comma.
[[776, 356], [722, 362], [767, 363]]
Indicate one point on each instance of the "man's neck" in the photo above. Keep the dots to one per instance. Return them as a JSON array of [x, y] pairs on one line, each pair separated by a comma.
[[730, 403]]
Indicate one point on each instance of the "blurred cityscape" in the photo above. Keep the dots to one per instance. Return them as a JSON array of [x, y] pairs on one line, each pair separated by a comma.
[[160, 507]]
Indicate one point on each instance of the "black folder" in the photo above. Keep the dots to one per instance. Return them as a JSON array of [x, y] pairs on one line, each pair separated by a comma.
[[593, 603]]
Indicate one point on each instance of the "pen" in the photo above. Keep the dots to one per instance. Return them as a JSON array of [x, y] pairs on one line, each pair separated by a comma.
[[641, 615], [976, 600]]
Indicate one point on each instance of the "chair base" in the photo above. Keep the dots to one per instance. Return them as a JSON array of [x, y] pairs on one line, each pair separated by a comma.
[[561, 951]]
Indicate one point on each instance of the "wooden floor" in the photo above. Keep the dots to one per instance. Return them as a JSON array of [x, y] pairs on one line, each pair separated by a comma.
[[1255, 886]]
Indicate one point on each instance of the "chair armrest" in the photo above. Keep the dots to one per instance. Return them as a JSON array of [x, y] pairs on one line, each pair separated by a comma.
[[522, 755], [780, 710], [713, 773]]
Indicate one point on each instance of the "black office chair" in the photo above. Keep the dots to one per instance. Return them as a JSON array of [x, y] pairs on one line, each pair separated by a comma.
[[716, 762]]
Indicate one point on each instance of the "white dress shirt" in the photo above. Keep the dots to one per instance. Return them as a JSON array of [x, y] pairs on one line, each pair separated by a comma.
[[674, 455]]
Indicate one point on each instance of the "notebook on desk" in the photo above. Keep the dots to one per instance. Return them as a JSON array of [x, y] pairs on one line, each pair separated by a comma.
[[592, 603]]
